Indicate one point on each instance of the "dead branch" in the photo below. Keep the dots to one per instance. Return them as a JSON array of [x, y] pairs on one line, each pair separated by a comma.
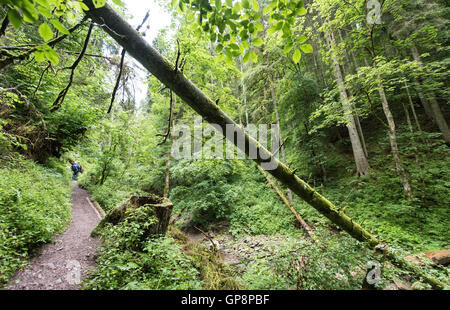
[[302, 222], [169, 125], [62, 95], [178, 55], [207, 236], [5, 24], [122, 60], [116, 86], [12, 58], [41, 78]]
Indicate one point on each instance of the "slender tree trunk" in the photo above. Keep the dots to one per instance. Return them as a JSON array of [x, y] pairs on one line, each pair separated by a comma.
[[414, 143], [413, 110], [426, 105], [275, 107], [362, 164], [435, 109], [348, 64], [169, 159], [393, 140]]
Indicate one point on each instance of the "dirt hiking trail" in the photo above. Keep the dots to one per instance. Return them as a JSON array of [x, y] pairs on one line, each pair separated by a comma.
[[61, 265]]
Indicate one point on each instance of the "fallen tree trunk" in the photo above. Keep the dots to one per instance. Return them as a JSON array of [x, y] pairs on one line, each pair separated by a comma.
[[288, 204], [156, 210], [175, 80]]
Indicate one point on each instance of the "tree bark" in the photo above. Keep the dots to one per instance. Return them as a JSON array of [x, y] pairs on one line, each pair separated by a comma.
[[435, 109], [156, 207], [413, 110], [393, 140], [169, 159], [362, 164]]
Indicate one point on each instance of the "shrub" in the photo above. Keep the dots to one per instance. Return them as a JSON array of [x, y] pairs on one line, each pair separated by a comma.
[[35, 203]]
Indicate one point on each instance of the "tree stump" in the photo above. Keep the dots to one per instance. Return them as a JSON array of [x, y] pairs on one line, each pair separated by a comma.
[[151, 208]]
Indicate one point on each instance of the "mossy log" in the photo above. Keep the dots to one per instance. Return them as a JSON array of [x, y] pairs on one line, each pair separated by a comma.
[[154, 208], [302, 222]]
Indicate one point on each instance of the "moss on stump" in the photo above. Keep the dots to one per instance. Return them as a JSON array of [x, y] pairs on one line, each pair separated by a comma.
[[155, 209]]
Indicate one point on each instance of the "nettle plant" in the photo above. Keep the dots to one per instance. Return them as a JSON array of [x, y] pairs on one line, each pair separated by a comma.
[[234, 26], [53, 16]]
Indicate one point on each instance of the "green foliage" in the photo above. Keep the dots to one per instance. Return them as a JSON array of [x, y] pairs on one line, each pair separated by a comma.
[[159, 265], [234, 26], [203, 189], [35, 203], [29, 91], [122, 154], [378, 202]]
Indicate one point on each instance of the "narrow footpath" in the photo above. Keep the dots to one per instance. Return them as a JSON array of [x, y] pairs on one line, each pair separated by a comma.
[[62, 264]]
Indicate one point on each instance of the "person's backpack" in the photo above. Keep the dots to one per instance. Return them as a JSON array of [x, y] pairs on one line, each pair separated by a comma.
[[80, 169], [75, 168]]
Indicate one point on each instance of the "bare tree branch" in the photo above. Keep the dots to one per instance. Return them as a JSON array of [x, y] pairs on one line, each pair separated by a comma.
[[62, 95], [169, 126], [4, 25], [122, 60]]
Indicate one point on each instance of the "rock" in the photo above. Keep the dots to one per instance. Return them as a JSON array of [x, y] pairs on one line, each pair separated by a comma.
[[414, 259], [402, 286], [341, 277], [391, 287], [59, 281], [51, 266], [441, 257]]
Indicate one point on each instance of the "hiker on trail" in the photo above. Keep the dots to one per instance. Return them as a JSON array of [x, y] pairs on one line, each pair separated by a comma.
[[76, 168]]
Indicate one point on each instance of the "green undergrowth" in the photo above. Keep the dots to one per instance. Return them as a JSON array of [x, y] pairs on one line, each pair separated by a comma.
[[35, 204], [126, 261], [169, 262], [377, 201], [209, 191], [233, 195], [335, 261]]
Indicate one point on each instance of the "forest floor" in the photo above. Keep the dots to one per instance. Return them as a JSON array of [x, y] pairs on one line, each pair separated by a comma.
[[64, 263]]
